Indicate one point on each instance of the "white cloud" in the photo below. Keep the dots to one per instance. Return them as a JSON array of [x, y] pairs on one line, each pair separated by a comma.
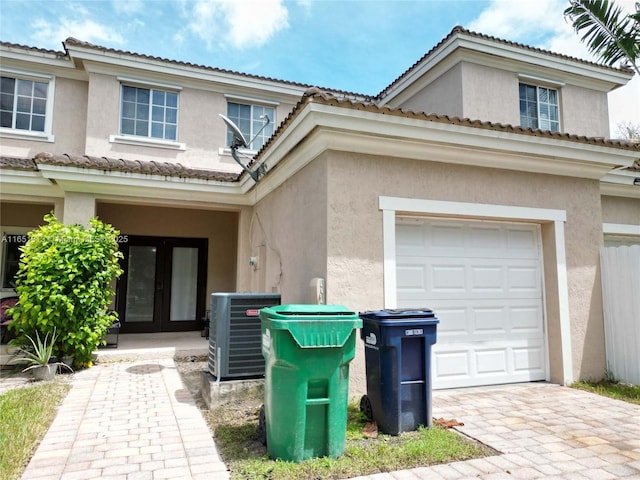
[[624, 105], [518, 20], [237, 24], [128, 7], [53, 32], [541, 23]]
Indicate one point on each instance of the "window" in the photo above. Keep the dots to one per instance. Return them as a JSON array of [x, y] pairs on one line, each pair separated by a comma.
[[539, 108], [250, 119], [23, 104], [149, 112]]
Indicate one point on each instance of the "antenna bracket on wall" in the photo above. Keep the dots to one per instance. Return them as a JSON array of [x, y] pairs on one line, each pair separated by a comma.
[[240, 142]]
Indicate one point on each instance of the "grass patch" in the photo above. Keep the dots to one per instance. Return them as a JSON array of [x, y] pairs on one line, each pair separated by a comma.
[[236, 434], [25, 416], [621, 391]]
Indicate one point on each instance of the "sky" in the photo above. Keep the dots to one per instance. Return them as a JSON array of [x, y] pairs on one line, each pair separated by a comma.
[[359, 46]]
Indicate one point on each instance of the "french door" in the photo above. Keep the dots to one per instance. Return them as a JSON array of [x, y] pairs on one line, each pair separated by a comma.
[[163, 287]]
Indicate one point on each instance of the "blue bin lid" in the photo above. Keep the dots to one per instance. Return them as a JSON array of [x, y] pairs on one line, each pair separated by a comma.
[[401, 316], [402, 313]]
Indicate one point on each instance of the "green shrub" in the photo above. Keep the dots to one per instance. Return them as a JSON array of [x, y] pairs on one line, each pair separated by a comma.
[[64, 284]]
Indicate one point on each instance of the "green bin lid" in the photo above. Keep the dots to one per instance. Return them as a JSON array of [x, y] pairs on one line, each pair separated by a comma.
[[313, 326], [307, 310]]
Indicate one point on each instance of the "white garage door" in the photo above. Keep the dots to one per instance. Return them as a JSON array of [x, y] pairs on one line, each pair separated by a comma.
[[484, 281]]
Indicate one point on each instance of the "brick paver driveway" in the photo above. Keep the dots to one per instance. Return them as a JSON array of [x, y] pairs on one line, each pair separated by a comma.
[[542, 431]]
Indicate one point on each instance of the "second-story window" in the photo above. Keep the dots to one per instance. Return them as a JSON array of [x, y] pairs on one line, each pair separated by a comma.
[[149, 112], [539, 108], [250, 119], [23, 104]]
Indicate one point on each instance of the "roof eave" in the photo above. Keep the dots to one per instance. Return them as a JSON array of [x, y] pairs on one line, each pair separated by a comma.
[[320, 125], [461, 39]]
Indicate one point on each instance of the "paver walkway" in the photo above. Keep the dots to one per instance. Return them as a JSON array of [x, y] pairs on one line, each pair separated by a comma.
[[136, 420], [544, 431], [133, 421]]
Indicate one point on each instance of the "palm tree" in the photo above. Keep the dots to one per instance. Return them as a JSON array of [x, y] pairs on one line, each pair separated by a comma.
[[610, 35]]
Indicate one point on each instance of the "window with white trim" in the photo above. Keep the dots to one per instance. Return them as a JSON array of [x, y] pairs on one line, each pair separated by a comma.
[[24, 103], [539, 108], [250, 119], [149, 112]]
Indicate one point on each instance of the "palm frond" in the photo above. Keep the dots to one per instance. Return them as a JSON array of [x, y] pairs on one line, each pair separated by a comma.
[[609, 33]]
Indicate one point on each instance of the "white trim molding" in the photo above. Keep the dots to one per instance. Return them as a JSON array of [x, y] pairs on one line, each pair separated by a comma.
[[620, 229], [148, 83], [393, 206], [146, 142]]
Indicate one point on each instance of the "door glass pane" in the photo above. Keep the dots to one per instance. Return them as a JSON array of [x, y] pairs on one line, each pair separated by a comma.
[[184, 283], [141, 284]]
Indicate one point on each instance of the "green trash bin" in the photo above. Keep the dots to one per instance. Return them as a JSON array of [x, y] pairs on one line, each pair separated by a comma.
[[307, 350]]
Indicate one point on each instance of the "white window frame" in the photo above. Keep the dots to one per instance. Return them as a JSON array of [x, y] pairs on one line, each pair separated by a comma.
[[251, 102], [46, 135], [147, 141], [538, 83], [391, 207]]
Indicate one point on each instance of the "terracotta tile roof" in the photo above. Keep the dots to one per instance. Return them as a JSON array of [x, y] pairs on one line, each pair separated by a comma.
[[80, 43], [15, 163], [116, 165], [315, 95], [461, 30], [57, 53]]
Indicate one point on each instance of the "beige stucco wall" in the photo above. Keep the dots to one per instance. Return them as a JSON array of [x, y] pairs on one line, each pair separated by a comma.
[[220, 228], [442, 96], [490, 94], [621, 210], [289, 228], [584, 112], [79, 208], [23, 214], [68, 127], [69, 117], [199, 127], [355, 244]]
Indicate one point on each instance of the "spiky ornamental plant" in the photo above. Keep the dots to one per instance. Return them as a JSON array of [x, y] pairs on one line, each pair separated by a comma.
[[64, 285], [610, 34]]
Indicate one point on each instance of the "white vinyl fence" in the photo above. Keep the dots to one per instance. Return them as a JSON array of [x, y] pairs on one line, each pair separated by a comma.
[[621, 301]]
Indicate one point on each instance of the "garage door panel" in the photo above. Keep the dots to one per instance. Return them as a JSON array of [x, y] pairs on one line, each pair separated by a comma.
[[479, 239], [450, 276], [484, 237], [523, 278], [487, 363], [522, 242], [526, 319], [484, 281], [447, 278], [456, 324], [487, 278], [529, 358], [410, 238], [412, 277], [484, 321], [452, 366], [491, 362], [489, 321]]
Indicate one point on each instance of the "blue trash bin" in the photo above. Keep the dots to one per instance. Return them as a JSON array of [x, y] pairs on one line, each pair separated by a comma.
[[398, 365]]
